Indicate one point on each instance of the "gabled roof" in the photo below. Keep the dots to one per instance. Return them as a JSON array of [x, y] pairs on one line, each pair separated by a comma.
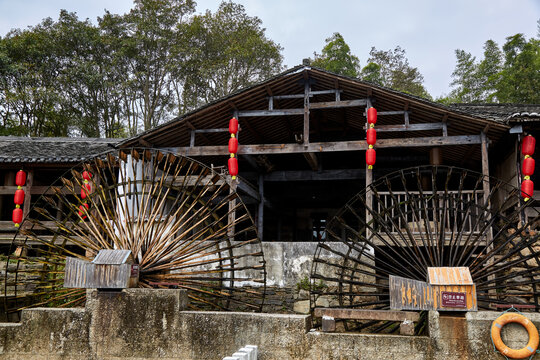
[[51, 150], [278, 129]]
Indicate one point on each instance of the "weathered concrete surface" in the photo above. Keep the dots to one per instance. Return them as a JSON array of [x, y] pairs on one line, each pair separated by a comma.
[[152, 324], [469, 337]]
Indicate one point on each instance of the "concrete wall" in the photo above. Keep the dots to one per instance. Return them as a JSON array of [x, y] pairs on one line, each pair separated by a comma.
[[151, 324], [289, 262]]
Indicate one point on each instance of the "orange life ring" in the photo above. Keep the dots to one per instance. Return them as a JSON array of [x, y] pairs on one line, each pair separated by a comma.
[[528, 350]]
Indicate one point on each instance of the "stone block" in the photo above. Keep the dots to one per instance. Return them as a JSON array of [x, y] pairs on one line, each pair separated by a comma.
[[406, 328], [302, 307], [328, 324]]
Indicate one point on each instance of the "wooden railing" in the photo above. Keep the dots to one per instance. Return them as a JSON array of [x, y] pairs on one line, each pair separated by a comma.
[[458, 210]]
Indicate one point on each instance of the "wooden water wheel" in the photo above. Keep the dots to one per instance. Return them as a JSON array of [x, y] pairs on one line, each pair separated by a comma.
[[428, 217], [183, 222]]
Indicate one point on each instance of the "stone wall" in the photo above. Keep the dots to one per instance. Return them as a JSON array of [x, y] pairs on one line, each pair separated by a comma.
[[151, 324]]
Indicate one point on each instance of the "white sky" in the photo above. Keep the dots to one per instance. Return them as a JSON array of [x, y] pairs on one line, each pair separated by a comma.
[[429, 30]]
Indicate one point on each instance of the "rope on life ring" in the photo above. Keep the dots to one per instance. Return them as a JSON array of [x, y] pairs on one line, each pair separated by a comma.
[[529, 350]]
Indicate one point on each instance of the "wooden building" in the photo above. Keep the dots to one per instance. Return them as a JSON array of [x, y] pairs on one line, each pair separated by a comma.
[[302, 143], [44, 160]]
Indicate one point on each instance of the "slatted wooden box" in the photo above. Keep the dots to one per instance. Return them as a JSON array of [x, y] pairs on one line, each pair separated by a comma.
[[453, 289], [110, 269], [447, 289]]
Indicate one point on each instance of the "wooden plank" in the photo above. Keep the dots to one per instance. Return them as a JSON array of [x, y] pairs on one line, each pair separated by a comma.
[[280, 112], [357, 314], [359, 145], [410, 127], [338, 104], [409, 294]]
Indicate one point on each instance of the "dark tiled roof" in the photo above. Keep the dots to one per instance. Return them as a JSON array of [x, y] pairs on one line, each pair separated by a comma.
[[507, 113], [51, 150]]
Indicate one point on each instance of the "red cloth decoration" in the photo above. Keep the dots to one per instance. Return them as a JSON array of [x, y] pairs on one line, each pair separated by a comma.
[[233, 167], [372, 115], [17, 216], [528, 166], [233, 146], [528, 145], [86, 175], [370, 158], [19, 197], [371, 136], [527, 189], [20, 178], [86, 190], [233, 126]]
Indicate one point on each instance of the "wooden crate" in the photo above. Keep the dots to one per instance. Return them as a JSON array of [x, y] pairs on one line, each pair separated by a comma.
[[453, 289], [111, 269]]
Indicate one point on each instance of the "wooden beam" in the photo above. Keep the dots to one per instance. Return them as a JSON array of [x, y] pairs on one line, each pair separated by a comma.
[[280, 112], [312, 161], [359, 145], [260, 210], [308, 175], [249, 190], [411, 127], [306, 113], [338, 104]]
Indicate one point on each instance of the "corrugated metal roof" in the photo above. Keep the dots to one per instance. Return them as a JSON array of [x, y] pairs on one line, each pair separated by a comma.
[[112, 257], [51, 150], [449, 276]]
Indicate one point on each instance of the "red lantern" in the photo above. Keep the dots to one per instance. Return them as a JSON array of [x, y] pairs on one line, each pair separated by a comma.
[[527, 147], [233, 126], [17, 216], [527, 189], [20, 178], [233, 145], [233, 167], [19, 197], [528, 166], [371, 136], [82, 210], [372, 115], [86, 175], [87, 191], [370, 158]]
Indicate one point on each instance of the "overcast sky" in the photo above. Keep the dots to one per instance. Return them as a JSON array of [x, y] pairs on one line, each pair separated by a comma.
[[429, 30]]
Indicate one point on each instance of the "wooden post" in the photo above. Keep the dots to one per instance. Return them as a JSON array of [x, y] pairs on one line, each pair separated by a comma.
[[260, 212], [306, 111], [369, 180], [28, 196], [486, 188], [485, 167], [232, 213]]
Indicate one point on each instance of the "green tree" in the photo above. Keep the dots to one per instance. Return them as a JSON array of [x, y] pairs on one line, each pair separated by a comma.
[[520, 77], [226, 51], [466, 79], [31, 100], [336, 57], [391, 69], [153, 29]]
